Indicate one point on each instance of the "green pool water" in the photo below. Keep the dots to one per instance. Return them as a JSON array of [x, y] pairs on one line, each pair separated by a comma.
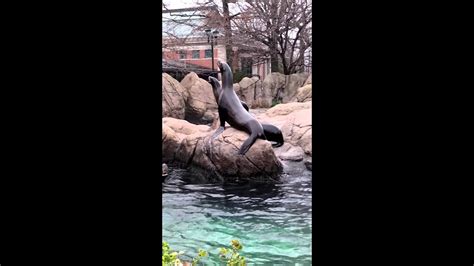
[[272, 221]]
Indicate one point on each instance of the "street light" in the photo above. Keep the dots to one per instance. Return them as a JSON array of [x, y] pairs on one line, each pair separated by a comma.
[[212, 39]]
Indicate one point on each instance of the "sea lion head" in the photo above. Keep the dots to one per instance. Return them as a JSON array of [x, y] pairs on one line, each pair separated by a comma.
[[213, 81], [223, 67]]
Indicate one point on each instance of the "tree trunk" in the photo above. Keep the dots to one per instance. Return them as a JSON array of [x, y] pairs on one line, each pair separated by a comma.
[[274, 54]]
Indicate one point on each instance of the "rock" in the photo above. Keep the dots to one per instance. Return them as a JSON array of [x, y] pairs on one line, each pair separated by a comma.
[[251, 92], [164, 170], [286, 109], [174, 96], [309, 164], [303, 94], [294, 120], [201, 106], [292, 153], [308, 80], [298, 130], [236, 87], [169, 143], [185, 143], [283, 87]]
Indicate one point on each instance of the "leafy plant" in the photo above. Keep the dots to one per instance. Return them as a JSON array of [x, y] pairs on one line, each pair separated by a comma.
[[232, 256], [229, 255], [170, 257], [202, 253]]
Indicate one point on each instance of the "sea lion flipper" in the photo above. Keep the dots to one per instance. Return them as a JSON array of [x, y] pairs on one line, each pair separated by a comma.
[[208, 147], [247, 144], [222, 118]]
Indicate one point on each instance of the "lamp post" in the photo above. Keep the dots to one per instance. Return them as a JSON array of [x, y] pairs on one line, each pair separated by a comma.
[[212, 39]]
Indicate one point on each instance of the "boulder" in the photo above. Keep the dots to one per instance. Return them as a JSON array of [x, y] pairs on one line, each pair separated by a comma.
[[309, 164], [294, 120], [291, 153], [236, 87], [184, 143], [308, 80], [251, 92], [303, 94], [201, 106], [287, 109], [173, 97], [283, 88], [298, 130]]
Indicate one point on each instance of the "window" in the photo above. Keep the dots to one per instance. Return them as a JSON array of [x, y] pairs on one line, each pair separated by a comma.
[[246, 65], [195, 53], [182, 54], [208, 53]]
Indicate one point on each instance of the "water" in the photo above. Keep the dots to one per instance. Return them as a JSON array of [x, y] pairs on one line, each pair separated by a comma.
[[272, 221]]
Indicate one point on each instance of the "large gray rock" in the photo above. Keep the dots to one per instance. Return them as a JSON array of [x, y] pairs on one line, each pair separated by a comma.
[[291, 153], [173, 97], [251, 91], [294, 120], [283, 87], [304, 94], [309, 80], [201, 106], [184, 142]]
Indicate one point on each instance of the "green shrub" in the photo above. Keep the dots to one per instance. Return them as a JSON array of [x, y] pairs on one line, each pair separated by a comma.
[[275, 102], [168, 257], [232, 256], [228, 255]]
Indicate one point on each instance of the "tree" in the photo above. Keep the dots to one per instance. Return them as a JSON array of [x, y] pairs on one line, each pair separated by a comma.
[[283, 26]]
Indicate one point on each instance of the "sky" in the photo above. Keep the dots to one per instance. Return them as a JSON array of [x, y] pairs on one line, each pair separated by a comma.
[[172, 4]]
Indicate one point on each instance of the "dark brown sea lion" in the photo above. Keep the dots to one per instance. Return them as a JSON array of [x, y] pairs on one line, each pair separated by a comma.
[[235, 112]]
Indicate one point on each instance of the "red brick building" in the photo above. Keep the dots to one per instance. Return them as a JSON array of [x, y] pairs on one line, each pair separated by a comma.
[[184, 40]]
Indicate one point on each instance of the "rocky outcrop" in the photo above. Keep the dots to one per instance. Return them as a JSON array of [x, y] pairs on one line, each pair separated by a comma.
[[289, 152], [304, 94], [251, 91], [309, 164], [308, 80], [294, 120], [173, 97], [201, 107], [283, 88], [236, 87], [184, 142]]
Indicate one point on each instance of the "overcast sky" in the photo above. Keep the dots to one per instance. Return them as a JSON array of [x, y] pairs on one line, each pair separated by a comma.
[[172, 4]]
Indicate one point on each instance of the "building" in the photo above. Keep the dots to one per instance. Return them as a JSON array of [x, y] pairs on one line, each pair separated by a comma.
[[186, 44]]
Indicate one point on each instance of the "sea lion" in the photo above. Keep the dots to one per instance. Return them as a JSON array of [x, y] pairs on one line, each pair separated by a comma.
[[272, 133], [230, 110]]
